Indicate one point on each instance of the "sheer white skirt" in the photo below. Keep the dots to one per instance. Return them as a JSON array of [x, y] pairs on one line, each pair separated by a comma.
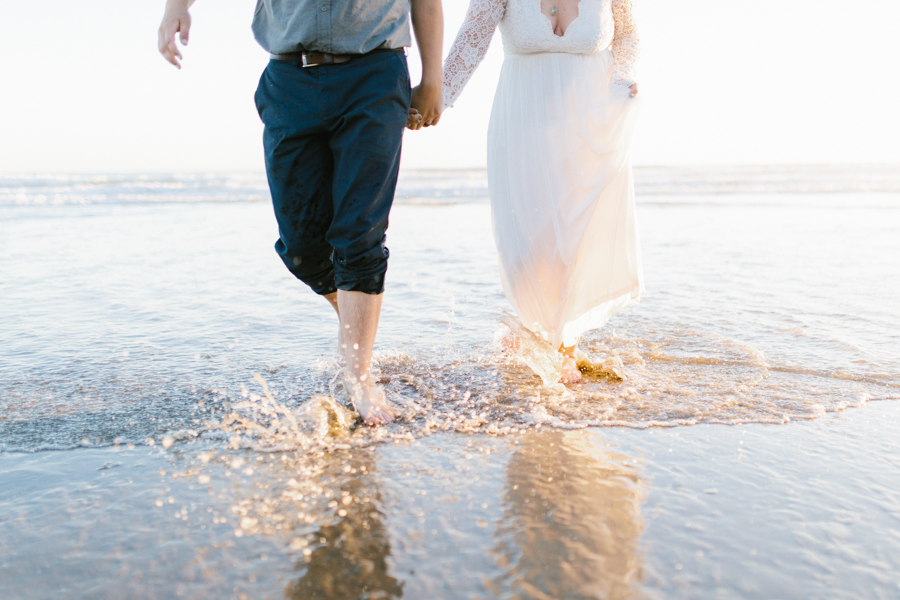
[[562, 195]]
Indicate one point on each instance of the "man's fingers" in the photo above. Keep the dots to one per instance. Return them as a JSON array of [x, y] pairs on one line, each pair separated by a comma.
[[171, 58], [173, 48], [416, 120], [172, 53], [185, 27], [431, 119], [168, 31]]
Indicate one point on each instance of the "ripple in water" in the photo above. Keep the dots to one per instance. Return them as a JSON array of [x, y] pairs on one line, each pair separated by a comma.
[[668, 379]]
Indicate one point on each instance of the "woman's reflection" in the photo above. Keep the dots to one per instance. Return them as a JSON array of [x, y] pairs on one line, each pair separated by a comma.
[[571, 521]]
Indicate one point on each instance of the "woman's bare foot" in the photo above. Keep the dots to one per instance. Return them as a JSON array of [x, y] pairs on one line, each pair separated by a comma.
[[510, 343], [369, 401], [570, 372]]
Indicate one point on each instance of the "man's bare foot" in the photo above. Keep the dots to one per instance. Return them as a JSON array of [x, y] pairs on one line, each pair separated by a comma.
[[570, 372], [369, 401]]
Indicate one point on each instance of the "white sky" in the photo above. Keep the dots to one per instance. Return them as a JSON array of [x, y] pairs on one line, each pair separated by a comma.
[[83, 89]]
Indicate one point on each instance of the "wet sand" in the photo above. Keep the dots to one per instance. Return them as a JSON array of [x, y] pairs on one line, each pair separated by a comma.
[[748, 451], [809, 509]]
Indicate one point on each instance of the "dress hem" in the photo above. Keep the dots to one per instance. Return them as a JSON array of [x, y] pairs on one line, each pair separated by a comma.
[[598, 316]]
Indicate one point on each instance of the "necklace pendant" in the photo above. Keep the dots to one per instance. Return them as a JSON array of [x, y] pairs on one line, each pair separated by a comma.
[[553, 10]]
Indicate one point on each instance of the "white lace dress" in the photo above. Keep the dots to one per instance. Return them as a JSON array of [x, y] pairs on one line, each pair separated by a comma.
[[559, 178]]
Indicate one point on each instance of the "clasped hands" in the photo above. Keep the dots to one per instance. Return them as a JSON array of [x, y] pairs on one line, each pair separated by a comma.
[[428, 102], [426, 106]]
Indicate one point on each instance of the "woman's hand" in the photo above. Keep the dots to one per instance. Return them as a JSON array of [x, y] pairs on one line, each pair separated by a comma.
[[634, 90], [413, 119]]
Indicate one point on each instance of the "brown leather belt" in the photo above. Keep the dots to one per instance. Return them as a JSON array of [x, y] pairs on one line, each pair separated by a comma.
[[314, 59]]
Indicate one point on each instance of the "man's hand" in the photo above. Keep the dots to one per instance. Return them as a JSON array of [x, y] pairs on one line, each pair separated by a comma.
[[176, 20], [428, 96], [427, 104]]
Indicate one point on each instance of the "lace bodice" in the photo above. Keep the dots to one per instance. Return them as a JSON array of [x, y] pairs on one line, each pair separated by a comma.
[[600, 24]]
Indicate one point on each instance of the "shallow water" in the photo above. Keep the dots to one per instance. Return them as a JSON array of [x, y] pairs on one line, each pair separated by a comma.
[[120, 318], [134, 314]]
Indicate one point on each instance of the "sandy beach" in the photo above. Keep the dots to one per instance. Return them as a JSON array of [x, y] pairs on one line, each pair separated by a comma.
[[758, 511], [744, 446]]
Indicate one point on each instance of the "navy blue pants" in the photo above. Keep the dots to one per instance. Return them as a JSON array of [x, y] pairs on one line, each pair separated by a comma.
[[332, 142]]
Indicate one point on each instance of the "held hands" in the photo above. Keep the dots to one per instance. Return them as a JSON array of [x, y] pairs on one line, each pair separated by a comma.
[[634, 90], [175, 20], [426, 106]]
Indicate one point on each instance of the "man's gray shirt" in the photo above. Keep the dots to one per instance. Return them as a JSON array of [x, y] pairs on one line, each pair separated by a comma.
[[335, 26]]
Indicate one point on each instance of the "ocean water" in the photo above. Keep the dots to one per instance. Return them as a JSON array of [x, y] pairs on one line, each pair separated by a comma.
[[168, 417]]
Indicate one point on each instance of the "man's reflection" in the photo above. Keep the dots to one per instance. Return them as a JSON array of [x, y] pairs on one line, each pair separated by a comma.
[[351, 562], [571, 521]]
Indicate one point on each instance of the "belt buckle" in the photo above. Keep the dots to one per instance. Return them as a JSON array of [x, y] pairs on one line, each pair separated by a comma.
[[305, 61]]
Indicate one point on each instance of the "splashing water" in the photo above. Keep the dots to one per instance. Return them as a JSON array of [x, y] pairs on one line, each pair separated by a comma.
[[735, 328], [266, 424], [534, 351]]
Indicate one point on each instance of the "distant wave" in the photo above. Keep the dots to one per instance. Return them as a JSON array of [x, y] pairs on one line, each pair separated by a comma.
[[442, 187], [811, 179], [66, 190]]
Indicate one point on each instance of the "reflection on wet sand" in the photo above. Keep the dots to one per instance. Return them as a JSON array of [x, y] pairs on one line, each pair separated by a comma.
[[569, 527], [571, 521], [321, 495], [347, 558]]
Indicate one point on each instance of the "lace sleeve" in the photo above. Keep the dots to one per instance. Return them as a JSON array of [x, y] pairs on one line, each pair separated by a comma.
[[626, 43], [470, 46]]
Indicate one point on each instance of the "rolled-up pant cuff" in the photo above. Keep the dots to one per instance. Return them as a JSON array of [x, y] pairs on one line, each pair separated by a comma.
[[368, 281], [321, 283]]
